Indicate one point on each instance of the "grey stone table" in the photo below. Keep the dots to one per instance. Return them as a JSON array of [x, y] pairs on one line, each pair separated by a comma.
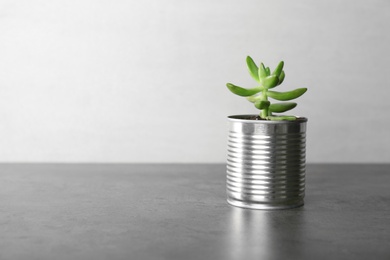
[[124, 211]]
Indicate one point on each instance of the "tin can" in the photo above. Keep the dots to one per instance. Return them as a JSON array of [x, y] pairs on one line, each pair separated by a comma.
[[266, 163]]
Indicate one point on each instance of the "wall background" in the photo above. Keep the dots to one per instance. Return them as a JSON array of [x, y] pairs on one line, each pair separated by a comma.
[[144, 81]]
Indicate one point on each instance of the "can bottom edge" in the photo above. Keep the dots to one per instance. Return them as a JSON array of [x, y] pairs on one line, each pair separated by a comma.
[[263, 206]]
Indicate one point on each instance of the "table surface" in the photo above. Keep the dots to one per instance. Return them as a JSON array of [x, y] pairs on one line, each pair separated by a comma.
[[179, 211]]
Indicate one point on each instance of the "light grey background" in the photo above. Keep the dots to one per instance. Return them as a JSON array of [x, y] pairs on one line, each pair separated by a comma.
[[144, 81]]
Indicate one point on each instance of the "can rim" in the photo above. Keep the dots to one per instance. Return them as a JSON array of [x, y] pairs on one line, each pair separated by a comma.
[[244, 118]]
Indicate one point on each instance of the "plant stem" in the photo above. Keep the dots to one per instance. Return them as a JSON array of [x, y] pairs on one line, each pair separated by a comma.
[[264, 111]]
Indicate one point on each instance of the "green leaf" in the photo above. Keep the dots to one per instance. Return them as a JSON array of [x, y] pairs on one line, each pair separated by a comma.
[[268, 71], [282, 107], [253, 98], [270, 81], [280, 118], [281, 77], [278, 69], [261, 104], [242, 91], [289, 95], [253, 69], [262, 71]]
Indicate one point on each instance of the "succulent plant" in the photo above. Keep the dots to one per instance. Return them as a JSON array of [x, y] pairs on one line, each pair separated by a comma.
[[259, 95]]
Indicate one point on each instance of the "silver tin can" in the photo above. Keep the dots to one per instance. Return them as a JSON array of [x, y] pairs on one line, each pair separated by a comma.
[[266, 163]]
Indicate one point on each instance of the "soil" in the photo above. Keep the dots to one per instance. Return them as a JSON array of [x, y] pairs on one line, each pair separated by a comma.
[[258, 118], [255, 118]]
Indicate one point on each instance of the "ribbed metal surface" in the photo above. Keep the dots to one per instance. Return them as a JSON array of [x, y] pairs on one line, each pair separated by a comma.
[[266, 163]]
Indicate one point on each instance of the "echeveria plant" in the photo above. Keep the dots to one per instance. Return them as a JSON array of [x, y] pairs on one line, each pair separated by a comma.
[[259, 95]]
